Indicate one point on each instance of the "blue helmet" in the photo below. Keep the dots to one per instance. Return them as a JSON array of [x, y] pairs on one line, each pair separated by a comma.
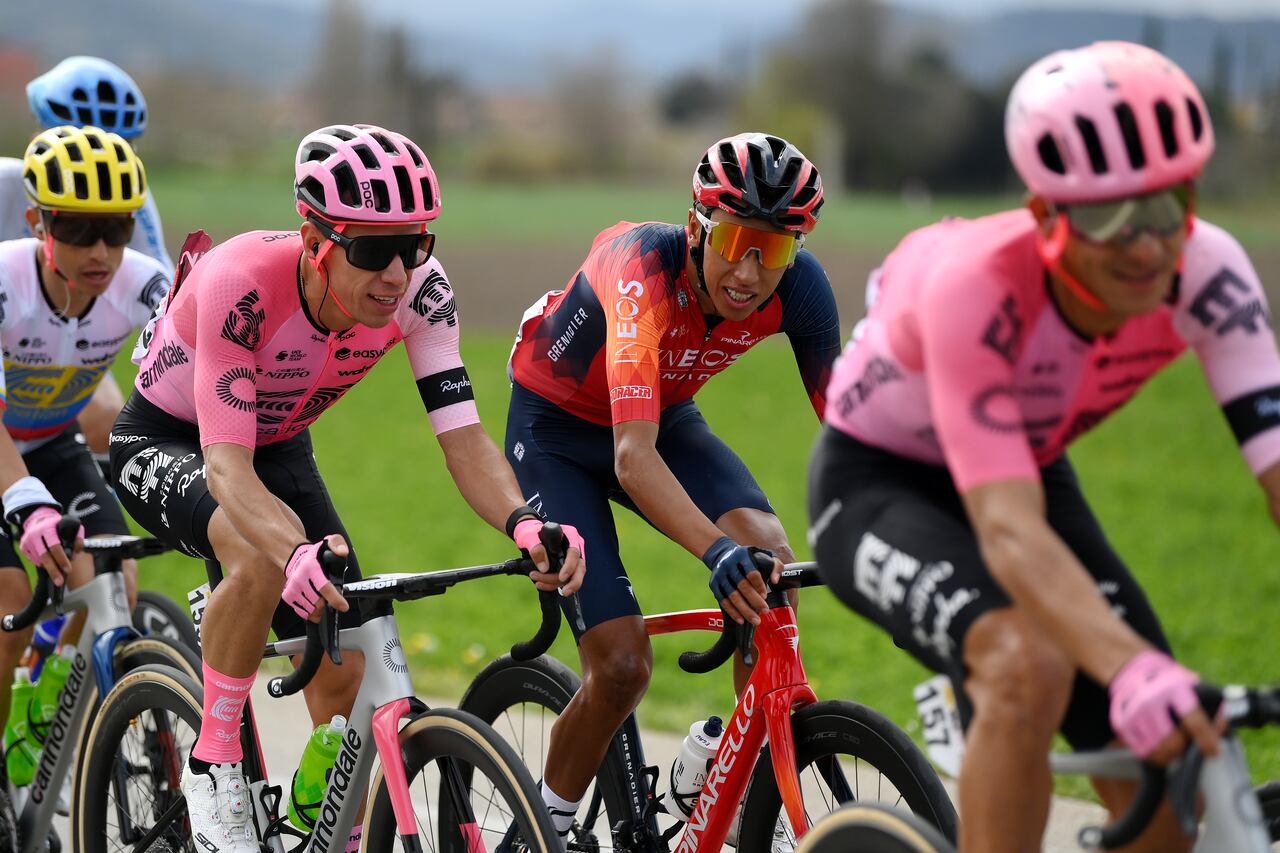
[[85, 90]]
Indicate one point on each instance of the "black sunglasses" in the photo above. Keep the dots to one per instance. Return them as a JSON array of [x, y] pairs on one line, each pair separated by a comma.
[[115, 231], [376, 252]]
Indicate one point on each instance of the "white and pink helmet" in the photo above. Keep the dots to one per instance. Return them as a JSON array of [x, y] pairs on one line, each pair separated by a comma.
[[364, 174], [1106, 121]]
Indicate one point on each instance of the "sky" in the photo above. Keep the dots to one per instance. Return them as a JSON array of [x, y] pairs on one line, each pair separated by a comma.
[[1212, 8]]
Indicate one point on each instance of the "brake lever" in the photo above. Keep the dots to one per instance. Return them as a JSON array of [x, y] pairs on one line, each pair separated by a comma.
[[68, 526], [335, 568]]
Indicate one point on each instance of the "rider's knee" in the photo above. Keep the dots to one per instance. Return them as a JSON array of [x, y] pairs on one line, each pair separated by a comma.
[[620, 678], [1016, 673]]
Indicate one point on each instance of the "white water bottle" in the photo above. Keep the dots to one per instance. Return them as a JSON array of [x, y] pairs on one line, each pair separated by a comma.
[[689, 770]]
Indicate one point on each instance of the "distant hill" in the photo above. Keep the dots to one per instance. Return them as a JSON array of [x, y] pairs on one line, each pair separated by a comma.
[[495, 44]]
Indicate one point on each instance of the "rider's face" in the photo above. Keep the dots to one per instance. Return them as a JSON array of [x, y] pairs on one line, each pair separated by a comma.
[[1130, 279], [91, 268], [735, 289], [372, 296]]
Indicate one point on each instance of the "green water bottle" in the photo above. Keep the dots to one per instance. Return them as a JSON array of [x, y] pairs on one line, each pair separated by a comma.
[[44, 699], [312, 777], [20, 754]]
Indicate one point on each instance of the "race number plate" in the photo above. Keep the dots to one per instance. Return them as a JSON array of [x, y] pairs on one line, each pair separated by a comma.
[[943, 735], [197, 600]]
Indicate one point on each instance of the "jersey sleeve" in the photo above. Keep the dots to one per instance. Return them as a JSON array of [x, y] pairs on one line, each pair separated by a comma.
[[812, 324], [1223, 315], [636, 317], [431, 336], [230, 315], [152, 282], [971, 334], [148, 235]]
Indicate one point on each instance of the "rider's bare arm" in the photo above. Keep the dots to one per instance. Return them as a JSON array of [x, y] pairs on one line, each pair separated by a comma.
[[1270, 482], [254, 512], [1037, 570]]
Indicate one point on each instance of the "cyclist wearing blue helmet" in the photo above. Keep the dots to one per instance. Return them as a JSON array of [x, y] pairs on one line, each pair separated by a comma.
[[86, 91]]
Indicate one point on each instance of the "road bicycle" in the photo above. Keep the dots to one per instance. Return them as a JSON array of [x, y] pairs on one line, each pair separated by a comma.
[[819, 754], [108, 647], [1213, 798], [149, 722]]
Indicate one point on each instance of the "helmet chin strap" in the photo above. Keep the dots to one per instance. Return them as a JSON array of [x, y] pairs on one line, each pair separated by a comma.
[[1051, 249], [53, 267], [697, 253], [317, 261]]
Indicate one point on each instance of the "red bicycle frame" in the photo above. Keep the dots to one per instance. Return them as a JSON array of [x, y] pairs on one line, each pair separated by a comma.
[[777, 686]]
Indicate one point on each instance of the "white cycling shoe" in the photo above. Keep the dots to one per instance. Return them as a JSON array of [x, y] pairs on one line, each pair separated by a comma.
[[218, 804]]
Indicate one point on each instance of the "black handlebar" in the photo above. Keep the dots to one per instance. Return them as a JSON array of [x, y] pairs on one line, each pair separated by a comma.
[[45, 592], [741, 637], [324, 636]]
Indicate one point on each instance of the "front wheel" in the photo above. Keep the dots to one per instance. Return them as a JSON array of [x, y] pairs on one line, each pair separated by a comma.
[[845, 753], [873, 828], [132, 768], [500, 805]]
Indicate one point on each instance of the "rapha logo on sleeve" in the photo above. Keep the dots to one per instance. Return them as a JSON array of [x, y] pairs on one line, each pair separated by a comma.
[[445, 388]]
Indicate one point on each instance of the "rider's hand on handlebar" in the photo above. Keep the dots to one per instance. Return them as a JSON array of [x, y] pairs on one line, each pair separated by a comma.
[[306, 587], [569, 579], [735, 580], [41, 545], [1154, 709]]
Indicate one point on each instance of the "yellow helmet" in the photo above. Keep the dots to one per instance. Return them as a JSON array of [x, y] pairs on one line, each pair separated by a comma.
[[83, 170]]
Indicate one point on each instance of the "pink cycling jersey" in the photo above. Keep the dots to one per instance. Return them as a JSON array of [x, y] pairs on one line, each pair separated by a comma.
[[237, 352], [965, 360]]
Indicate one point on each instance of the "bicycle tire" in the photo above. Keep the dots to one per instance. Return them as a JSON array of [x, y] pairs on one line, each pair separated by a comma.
[[143, 696], [500, 694], [873, 828], [462, 739], [829, 730], [158, 614], [1269, 799]]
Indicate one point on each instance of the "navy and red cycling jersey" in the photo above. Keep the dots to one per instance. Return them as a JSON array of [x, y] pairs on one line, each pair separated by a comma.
[[627, 339]]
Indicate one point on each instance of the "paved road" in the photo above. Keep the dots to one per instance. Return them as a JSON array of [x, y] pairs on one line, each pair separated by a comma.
[[283, 729]]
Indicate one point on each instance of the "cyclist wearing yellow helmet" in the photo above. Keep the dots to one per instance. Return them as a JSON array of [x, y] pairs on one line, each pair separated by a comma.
[[69, 299]]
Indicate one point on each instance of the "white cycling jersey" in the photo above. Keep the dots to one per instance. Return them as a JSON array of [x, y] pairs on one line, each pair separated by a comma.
[[52, 364], [148, 236]]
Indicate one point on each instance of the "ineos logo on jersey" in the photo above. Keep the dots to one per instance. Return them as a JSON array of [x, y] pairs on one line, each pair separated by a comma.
[[626, 308]]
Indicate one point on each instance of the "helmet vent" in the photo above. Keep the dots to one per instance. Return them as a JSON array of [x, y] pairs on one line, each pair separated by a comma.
[[381, 200], [81, 185], [776, 146], [129, 99], [348, 192], [73, 152], [106, 92], [54, 176], [1164, 117], [62, 111], [1050, 156], [705, 175], [314, 190], [404, 187], [95, 141], [109, 117], [385, 143], [84, 115], [104, 181], [366, 156], [126, 187], [120, 155], [78, 94], [415, 154], [428, 197], [142, 182], [317, 152], [1197, 120], [340, 132], [1132, 141], [1093, 145]]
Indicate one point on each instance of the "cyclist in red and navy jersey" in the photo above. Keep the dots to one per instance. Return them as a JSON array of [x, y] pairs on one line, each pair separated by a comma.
[[944, 507], [604, 373], [212, 453]]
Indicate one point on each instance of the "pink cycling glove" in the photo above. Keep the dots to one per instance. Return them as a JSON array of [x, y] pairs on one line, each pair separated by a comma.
[[304, 578], [526, 536], [1149, 695], [40, 533]]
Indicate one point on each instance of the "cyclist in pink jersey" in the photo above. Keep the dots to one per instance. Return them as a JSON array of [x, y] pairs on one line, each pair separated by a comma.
[[943, 507], [211, 453]]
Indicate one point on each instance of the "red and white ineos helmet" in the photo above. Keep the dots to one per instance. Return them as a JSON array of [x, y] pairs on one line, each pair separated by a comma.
[[1106, 121], [756, 175], [364, 174]]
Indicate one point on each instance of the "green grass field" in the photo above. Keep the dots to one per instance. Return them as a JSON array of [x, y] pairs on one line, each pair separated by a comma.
[[1164, 475]]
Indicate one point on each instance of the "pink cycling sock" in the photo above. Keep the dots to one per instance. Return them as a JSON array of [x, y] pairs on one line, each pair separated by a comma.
[[353, 843], [224, 697]]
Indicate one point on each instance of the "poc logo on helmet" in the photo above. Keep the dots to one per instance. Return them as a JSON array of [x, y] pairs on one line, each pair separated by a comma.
[[366, 190]]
